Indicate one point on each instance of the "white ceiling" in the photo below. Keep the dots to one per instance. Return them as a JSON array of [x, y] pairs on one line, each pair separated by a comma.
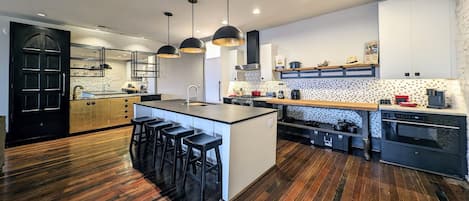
[[144, 18]]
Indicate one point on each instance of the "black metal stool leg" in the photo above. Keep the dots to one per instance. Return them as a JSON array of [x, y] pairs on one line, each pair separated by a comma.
[[186, 165], [219, 171], [175, 160], [132, 138], [163, 154], [155, 146], [203, 153]]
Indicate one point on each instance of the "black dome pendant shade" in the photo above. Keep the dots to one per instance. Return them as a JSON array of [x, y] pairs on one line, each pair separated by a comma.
[[168, 51], [228, 35], [192, 45]]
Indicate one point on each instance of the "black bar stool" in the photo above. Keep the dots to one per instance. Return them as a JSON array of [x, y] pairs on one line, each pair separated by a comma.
[[203, 143], [153, 129], [138, 123], [176, 134]]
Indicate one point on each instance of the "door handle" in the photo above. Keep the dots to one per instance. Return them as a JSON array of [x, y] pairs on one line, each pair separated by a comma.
[[63, 84], [219, 90]]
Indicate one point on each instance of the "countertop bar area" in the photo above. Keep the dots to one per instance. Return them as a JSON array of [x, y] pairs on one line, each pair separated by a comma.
[[249, 136]]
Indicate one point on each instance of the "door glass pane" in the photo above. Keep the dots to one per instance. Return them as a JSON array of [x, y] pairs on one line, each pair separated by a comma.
[[52, 62], [51, 101], [52, 81], [30, 101], [31, 80], [31, 60]]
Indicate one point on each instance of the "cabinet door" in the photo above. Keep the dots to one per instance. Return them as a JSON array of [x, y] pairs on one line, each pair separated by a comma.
[[431, 38], [101, 113], [394, 37], [80, 116], [235, 58], [267, 62]]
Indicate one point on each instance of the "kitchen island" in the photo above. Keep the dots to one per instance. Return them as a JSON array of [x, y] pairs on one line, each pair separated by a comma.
[[249, 136]]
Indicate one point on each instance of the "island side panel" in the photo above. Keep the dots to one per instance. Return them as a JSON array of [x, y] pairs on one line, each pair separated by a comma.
[[252, 151]]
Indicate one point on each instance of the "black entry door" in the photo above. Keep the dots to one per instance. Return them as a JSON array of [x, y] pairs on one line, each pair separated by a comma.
[[39, 83]]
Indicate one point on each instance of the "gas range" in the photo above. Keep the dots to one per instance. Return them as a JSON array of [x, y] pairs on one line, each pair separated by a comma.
[[246, 100]]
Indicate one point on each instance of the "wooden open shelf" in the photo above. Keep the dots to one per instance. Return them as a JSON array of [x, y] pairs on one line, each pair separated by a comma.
[[344, 71], [328, 67]]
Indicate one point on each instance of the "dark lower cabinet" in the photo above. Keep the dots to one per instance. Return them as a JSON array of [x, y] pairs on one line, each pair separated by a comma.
[[415, 157]]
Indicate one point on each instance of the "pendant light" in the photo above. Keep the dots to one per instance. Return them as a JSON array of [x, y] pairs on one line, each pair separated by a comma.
[[168, 51], [228, 35], [192, 45]]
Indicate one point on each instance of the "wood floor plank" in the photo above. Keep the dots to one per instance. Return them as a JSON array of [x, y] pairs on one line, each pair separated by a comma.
[[98, 166]]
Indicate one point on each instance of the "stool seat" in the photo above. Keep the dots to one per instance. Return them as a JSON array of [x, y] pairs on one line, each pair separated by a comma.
[[202, 140], [141, 120], [178, 131], [158, 124]]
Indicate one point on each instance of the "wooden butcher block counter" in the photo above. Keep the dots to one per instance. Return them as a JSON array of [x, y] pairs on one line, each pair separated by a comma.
[[326, 104]]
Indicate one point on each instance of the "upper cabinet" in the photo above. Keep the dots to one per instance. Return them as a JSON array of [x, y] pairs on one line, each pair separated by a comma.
[[416, 39], [235, 58], [267, 63]]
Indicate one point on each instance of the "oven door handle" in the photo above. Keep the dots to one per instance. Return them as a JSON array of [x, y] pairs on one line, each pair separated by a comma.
[[421, 124]]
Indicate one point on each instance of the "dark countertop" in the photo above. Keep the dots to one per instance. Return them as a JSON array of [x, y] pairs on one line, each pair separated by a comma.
[[113, 96], [224, 113]]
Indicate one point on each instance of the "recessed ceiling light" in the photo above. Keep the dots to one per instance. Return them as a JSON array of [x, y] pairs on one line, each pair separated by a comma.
[[256, 11], [41, 14], [224, 22]]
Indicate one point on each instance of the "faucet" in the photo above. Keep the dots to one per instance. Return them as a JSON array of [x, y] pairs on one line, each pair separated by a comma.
[[75, 91], [189, 91]]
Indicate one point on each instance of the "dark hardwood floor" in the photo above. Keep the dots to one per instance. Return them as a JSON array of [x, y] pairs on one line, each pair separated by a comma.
[[98, 166]]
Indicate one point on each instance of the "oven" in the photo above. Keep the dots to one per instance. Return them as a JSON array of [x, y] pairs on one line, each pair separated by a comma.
[[423, 130], [430, 142]]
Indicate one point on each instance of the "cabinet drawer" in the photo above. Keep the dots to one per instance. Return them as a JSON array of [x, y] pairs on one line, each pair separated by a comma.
[[422, 159]]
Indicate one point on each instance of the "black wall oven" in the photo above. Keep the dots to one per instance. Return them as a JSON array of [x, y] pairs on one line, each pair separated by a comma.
[[436, 143]]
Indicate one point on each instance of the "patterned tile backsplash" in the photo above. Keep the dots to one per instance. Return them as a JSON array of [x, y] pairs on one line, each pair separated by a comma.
[[352, 90]]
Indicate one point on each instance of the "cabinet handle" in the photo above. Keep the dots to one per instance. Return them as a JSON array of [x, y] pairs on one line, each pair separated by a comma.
[[416, 153], [63, 84], [126, 100], [126, 117], [126, 111], [87, 103], [417, 74], [126, 106], [407, 74], [93, 103], [262, 78]]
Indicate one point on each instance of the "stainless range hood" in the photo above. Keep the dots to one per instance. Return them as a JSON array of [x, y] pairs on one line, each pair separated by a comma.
[[252, 52]]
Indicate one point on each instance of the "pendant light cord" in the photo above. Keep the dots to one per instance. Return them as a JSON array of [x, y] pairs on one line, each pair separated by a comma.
[[192, 20], [227, 12], [168, 30]]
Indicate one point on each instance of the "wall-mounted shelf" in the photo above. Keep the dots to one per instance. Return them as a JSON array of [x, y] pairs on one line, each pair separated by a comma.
[[342, 71], [86, 60], [144, 65]]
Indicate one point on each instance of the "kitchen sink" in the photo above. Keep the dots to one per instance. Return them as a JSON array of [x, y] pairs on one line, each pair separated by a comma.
[[197, 104]]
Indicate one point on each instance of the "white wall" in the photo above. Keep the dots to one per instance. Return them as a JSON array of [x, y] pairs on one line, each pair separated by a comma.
[[177, 74], [332, 37]]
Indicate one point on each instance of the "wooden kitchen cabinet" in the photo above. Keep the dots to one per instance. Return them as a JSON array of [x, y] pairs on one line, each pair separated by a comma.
[[87, 115], [122, 110], [80, 116], [417, 39]]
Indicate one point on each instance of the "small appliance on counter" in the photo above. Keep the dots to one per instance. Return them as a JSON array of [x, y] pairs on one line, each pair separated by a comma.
[[295, 64], [401, 98], [295, 94], [280, 95], [408, 104], [385, 102], [271, 94], [437, 99], [256, 93]]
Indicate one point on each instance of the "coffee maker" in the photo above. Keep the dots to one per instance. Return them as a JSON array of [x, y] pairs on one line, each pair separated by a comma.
[[437, 99]]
